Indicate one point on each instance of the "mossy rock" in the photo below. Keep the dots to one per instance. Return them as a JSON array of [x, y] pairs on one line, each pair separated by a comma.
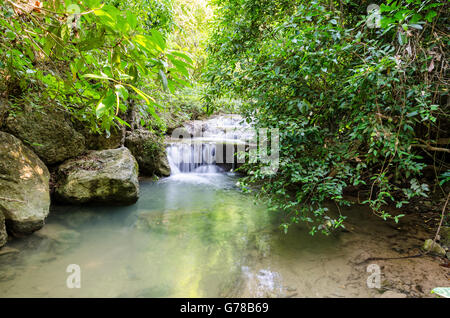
[[50, 133], [24, 186], [106, 176], [149, 151], [100, 141]]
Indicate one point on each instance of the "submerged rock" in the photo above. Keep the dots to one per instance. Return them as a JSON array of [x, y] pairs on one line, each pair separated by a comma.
[[49, 133], [3, 235], [392, 294], [7, 273], [107, 176], [433, 248], [74, 216], [58, 233], [24, 186], [149, 152], [8, 251]]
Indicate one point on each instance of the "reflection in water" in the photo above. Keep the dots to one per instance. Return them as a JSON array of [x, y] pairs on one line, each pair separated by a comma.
[[196, 235], [193, 235], [187, 236]]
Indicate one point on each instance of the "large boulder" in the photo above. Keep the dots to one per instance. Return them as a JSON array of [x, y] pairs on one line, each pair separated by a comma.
[[24, 186], [3, 234], [49, 133], [149, 152], [106, 176]]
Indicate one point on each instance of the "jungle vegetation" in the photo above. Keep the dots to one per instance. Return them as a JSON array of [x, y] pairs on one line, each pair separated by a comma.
[[358, 89]]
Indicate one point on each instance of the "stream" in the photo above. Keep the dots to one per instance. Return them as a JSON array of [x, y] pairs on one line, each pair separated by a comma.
[[195, 234]]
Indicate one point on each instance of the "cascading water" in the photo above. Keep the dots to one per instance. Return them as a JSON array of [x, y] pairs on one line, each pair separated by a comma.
[[197, 158], [205, 145]]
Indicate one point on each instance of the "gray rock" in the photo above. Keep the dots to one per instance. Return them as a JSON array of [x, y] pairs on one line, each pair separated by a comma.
[[149, 151], [24, 186], [433, 248], [49, 133], [106, 176]]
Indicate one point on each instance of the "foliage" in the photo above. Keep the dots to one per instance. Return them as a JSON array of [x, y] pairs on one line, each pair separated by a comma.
[[358, 106], [90, 58], [189, 103], [191, 31]]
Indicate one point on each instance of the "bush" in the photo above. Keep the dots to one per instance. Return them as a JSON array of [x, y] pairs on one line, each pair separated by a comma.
[[357, 105]]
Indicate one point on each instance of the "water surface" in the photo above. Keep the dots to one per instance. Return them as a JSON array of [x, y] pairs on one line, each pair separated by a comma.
[[189, 235]]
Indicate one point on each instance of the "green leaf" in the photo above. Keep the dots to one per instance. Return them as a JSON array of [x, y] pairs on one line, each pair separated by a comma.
[[132, 20], [146, 97], [100, 109], [103, 76], [430, 15], [122, 122], [158, 38], [122, 91], [163, 77], [11, 35], [147, 42], [416, 26], [402, 38], [186, 57]]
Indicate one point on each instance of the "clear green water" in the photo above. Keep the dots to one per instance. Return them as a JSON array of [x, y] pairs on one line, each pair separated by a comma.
[[190, 235], [186, 237]]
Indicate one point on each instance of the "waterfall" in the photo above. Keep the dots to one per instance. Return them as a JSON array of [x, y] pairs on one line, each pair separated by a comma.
[[195, 157], [207, 146]]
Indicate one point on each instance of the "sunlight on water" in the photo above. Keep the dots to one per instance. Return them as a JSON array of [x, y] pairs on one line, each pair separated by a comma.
[[189, 235], [186, 237], [193, 234]]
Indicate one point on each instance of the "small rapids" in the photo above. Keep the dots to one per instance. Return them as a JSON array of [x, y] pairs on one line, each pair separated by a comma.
[[196, 158], [207, 146]]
